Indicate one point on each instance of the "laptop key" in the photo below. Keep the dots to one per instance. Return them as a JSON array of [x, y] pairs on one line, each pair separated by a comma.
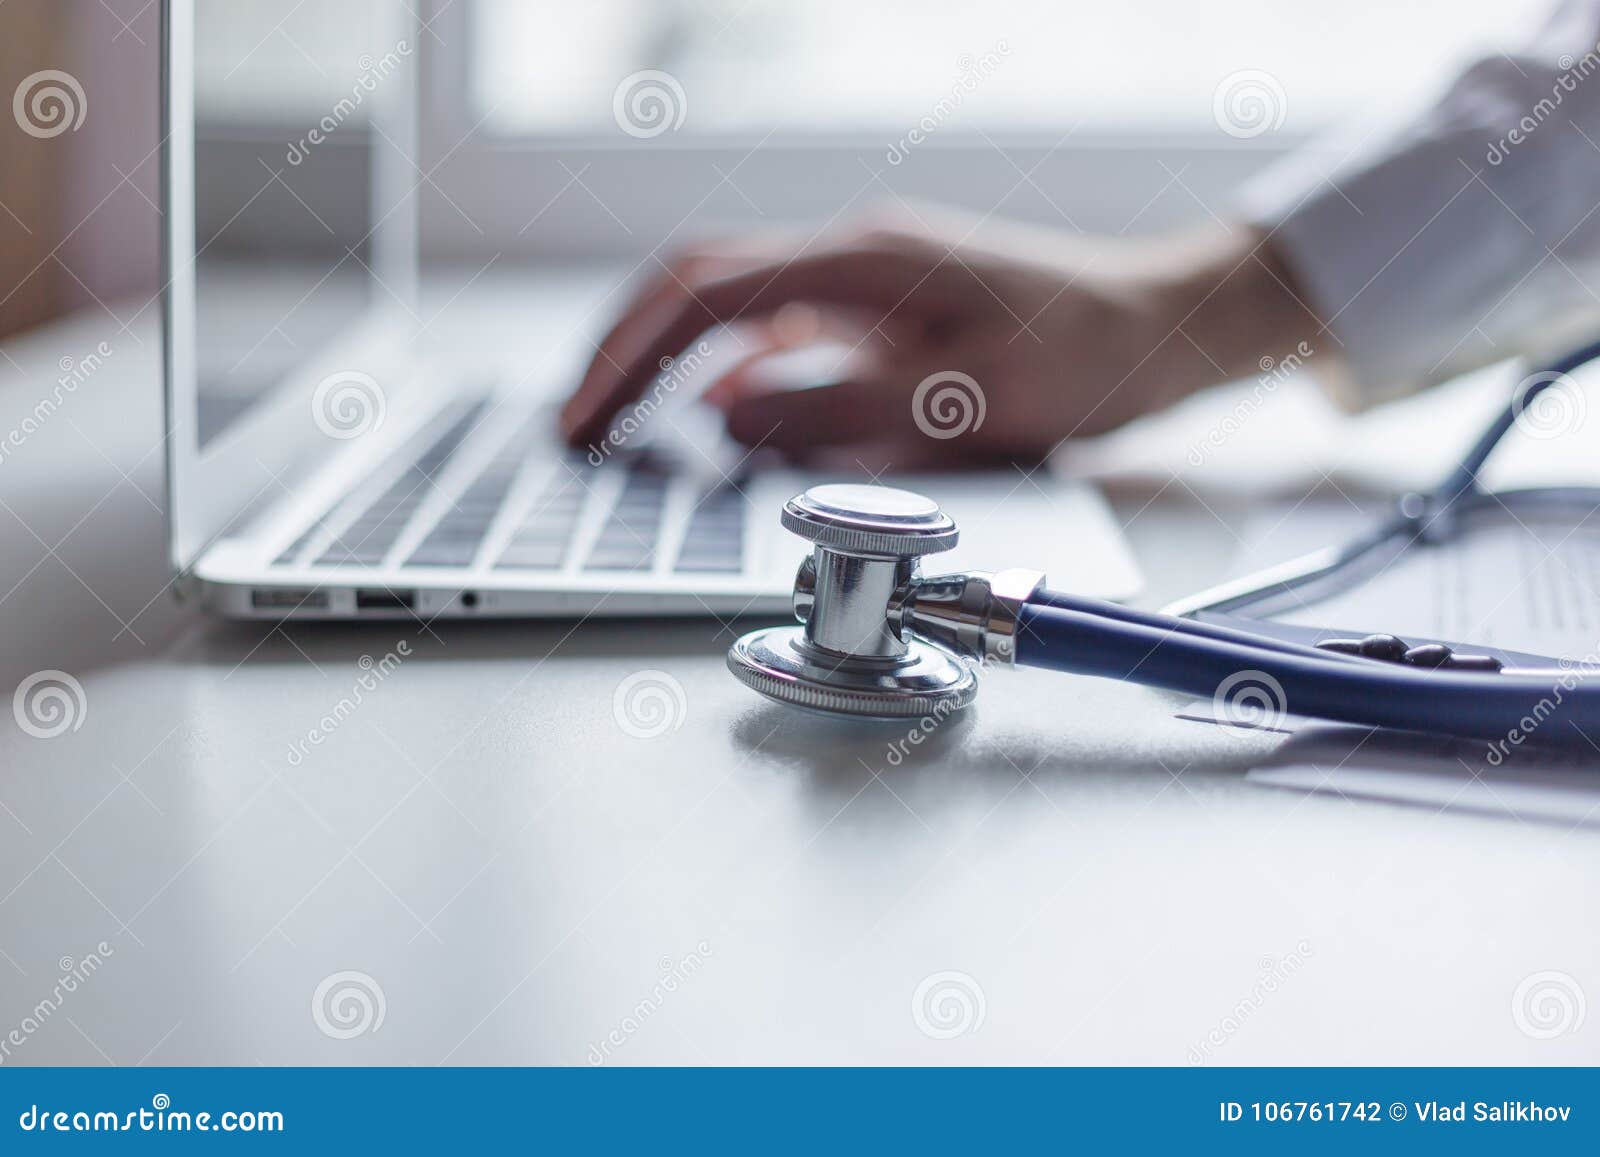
[[434, 553], [368, 540], [450, 419], [533, 556], [542, 541], [455, 539], [627, 542], [714, 540]]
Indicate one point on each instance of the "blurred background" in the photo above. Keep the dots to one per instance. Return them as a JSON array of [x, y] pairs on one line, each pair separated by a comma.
[[776, 111]]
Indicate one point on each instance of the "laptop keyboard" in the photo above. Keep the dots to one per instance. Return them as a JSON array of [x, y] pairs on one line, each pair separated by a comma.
[[628, 539], [428, 449], [457, 536], [632, 528], [367, 541], [544, 535]]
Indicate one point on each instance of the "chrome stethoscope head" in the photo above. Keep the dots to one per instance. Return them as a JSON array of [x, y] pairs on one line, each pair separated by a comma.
[[878, 640]]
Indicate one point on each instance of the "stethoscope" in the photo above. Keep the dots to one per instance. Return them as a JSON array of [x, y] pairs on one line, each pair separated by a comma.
[[878, 639]]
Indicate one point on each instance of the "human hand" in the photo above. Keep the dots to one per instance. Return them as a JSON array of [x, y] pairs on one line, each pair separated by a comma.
[[1017, 342]]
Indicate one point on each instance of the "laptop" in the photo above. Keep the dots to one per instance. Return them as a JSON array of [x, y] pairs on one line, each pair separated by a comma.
[[332, 454]]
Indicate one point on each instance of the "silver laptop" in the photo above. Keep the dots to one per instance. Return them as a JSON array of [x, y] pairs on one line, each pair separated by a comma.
[[327, 459]]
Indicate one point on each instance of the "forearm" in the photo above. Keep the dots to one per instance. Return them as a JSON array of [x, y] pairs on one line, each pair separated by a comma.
[[1222, 305], [1243, 305]]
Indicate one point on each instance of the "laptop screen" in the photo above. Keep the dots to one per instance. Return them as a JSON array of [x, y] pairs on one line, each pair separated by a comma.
[[288, 121]]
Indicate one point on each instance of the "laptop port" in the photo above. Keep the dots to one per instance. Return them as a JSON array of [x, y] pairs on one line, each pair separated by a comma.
[[385, 600], [288, 599]]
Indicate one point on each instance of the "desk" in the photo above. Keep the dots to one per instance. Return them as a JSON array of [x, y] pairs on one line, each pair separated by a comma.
[[1068, 873]]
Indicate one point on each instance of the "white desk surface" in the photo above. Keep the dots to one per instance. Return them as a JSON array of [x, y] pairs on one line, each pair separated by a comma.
[[513, 870]]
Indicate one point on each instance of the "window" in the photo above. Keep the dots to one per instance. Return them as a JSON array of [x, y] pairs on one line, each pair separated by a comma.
[[830, 66], [576, 128]]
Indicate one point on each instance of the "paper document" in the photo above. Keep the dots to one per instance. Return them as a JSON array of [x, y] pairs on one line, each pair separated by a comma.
[[1527, 587], [1524, 585], [1439, 774]]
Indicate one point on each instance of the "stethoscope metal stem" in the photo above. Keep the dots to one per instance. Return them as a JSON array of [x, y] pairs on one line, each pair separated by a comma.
[[840, 597]]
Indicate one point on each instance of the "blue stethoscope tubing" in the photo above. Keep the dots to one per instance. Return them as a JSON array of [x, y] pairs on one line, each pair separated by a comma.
[[1170, 653], [1173, 651]]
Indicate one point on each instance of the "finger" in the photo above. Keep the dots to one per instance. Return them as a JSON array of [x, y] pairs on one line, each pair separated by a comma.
[[664, 282], [869, 279], [854, 410], [801, 345]]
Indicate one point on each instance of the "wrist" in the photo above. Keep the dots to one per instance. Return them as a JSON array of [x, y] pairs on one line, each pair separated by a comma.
[[1231, 302]]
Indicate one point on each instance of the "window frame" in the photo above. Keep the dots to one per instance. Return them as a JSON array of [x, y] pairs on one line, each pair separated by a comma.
[[587, 195]]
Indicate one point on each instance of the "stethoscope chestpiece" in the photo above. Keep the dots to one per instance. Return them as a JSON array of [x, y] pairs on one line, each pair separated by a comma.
[[848, 657], [870, 520]]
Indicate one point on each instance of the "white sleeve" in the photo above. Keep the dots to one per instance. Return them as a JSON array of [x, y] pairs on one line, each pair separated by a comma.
[[1471, 234]]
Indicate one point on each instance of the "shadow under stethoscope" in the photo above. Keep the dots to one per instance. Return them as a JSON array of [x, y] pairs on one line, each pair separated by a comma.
[[834, 752]]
